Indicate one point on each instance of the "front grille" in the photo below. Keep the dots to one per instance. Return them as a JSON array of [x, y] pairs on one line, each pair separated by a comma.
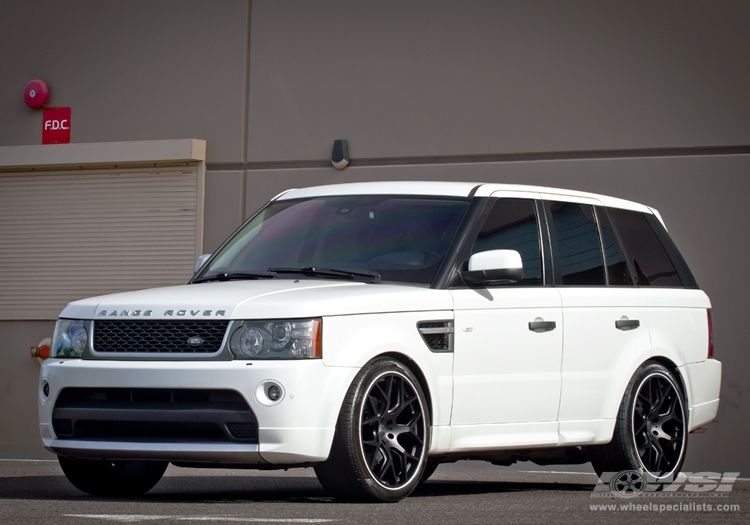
[[171, 415], [437, 335], [175, 337]]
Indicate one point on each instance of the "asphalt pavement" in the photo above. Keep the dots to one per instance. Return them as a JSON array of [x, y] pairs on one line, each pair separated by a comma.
[[468, 492]]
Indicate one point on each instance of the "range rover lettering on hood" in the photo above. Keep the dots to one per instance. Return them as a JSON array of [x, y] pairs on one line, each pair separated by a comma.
[[167, 313]]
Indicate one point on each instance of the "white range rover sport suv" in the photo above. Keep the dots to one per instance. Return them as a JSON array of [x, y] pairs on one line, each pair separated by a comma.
[[375, 330]]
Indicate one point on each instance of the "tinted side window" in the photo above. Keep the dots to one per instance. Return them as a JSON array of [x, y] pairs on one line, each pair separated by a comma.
[[618, 273], [645, 253], [578, 249], [512, 225]]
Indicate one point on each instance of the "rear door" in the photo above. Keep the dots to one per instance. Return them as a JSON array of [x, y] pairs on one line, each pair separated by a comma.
[[606, 317]]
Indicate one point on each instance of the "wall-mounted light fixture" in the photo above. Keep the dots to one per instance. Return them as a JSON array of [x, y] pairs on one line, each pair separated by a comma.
[[340, 154]]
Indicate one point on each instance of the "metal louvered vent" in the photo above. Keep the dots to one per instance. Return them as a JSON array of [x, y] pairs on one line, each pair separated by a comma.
[[437, 335], [180, 337]]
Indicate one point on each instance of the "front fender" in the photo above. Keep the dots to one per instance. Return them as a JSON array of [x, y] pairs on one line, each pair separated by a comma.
[[352, 341]]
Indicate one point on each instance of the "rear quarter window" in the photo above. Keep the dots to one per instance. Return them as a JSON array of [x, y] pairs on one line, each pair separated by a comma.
[[618, 272], [646, 255]]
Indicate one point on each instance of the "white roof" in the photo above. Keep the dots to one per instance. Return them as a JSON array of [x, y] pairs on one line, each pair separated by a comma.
[[457, 189]]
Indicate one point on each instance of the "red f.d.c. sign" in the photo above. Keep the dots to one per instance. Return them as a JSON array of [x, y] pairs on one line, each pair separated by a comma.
[[56, 126]]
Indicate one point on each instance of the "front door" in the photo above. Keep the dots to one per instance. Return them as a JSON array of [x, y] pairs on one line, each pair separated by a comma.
[[508, 342]]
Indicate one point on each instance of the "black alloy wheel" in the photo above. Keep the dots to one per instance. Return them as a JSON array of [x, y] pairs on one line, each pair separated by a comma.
[[380, 448], [392, 430], [659, 426], [651, 431]]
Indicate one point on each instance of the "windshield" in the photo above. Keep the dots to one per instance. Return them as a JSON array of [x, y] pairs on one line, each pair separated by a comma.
[[402, 239]]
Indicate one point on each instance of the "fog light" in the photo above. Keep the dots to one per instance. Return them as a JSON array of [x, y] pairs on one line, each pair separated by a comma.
[[274, 393], [269, 393], [45, 389]]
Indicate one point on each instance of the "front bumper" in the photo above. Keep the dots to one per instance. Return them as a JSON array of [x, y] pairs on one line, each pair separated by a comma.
[[298, 429]]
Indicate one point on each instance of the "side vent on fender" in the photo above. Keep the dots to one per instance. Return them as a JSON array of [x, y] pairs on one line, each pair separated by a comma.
[[437, 335]]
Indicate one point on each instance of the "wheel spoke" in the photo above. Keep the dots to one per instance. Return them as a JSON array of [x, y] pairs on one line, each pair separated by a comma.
[[371, 420], [384, 459], [653, 394], [657, 447], [639, 424], [378, 405], [389, 396], [672, 406], [398, 461], [400, 397], [375, 405], [663, 389]]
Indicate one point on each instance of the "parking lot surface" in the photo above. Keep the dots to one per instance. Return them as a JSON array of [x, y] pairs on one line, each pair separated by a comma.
[[462, 493]]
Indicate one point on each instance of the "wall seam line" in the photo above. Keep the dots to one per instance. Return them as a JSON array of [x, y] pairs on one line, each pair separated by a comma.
[[493, 158]]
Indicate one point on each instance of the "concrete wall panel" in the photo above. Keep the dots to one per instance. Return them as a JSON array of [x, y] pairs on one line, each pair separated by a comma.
[[423, 78], [223, 207]]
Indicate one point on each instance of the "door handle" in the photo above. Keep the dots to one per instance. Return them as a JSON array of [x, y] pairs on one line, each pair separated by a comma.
[[627, 324], [542, 326]]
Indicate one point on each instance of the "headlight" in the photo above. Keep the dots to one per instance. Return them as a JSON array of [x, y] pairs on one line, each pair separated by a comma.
[[70, 338], [289, 339]]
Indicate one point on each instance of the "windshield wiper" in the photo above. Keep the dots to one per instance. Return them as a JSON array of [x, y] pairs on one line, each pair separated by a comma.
[[228, 276], [334, 273]]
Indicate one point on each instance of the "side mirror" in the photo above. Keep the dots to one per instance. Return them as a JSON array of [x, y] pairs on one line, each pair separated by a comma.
[[494, 266], [201, 261]]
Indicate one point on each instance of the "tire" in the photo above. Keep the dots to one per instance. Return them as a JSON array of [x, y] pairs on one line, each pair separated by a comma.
[[651, 432], [112, 478], [379, 451], [429, 469]]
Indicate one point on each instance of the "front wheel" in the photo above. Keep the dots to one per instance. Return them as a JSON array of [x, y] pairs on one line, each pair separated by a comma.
[[650, 435], [100, 477], [380, 447]]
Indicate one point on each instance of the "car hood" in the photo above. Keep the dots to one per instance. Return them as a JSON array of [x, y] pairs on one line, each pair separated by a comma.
[[261, 299]]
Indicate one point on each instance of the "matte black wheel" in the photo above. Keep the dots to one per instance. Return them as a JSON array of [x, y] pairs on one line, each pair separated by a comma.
[[380, 448], [113, 478], [651, 430]]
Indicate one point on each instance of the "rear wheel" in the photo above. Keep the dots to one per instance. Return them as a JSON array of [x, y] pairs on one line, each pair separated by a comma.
[[113, 478], [650, 435], [379, 451]]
